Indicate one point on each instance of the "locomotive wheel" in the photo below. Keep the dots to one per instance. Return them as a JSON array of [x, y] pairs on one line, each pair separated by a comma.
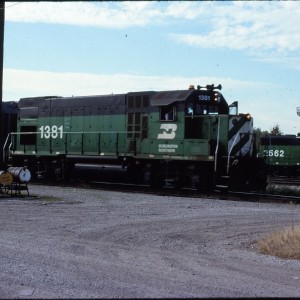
[[156, 176], [202, 177], [67, 171], [135, 173]]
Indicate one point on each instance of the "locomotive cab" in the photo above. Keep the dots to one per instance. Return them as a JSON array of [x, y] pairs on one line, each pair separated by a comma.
[[186, 123], [198, 129]]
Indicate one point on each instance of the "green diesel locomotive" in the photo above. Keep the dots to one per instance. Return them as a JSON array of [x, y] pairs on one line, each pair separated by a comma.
[[281, 154], [191, 138]]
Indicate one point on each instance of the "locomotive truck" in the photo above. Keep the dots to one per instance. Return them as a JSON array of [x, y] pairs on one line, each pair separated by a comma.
[[190, 138]]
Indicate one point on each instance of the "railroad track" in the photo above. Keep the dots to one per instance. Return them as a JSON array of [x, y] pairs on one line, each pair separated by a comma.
[[283, 180], [182, 192]]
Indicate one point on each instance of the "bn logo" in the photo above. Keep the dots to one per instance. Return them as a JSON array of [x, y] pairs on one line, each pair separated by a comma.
[[168, 131]]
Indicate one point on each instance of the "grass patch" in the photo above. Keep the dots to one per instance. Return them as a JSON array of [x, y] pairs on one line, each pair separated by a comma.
[[283, 243], [283, 190]]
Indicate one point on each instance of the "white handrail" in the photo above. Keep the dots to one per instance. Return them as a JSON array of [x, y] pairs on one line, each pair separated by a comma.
[[4, 146], [217, 147], [233, 144]]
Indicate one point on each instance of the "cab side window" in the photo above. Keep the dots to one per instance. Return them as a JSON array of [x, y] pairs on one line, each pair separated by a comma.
[[167, 113], [213, 110], [196, 110]]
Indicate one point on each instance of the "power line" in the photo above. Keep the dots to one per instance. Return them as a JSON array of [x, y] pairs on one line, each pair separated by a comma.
[[1, 8]]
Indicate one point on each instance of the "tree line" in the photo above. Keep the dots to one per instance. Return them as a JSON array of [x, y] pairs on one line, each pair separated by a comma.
[[258, 133]]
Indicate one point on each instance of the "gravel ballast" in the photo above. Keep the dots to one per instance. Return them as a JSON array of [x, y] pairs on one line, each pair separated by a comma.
[[63, 242]]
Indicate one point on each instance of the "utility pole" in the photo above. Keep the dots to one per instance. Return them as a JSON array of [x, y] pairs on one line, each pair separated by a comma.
[[2, 18]]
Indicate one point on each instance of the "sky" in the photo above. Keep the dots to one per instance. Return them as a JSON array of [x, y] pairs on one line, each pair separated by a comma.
[[251, 48]]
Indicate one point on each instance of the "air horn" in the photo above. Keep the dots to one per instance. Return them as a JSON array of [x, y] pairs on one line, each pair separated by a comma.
[[210, 87]]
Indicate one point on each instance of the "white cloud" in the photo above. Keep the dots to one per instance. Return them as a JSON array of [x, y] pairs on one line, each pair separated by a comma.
[[185, 9], [24, 83], [266, 31], [101, 14]]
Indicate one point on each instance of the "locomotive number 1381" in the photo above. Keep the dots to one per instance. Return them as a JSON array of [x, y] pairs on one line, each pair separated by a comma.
[[51, 131]]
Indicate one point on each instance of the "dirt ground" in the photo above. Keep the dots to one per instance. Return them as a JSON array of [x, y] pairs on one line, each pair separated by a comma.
[[80, 243]]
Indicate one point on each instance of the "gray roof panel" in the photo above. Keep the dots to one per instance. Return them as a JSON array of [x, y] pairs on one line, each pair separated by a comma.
[[168, 97]]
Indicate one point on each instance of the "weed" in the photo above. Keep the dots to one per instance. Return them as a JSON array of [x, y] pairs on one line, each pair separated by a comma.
[[283, 243], [283, 190]]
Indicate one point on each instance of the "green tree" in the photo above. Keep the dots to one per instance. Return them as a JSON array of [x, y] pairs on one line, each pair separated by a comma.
[[276, 130], [258, 133]]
